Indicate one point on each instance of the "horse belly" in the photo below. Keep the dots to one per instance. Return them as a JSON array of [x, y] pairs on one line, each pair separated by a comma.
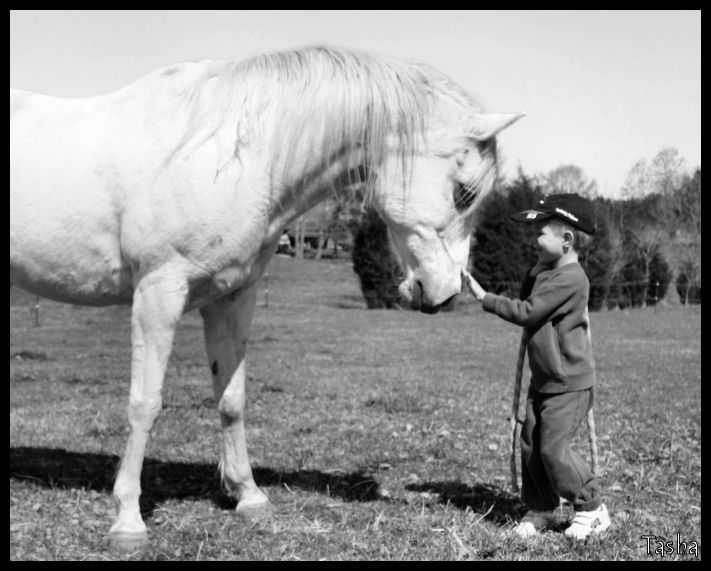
[[71, 274], [65, 246]]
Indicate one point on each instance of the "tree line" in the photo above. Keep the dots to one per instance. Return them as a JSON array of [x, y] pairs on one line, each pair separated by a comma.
[[646, 250]]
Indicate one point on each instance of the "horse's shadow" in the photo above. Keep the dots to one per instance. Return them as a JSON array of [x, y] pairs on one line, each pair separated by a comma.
[[161, 481]]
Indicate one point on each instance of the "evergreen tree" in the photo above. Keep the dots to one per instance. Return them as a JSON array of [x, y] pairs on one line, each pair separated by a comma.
[[598, 258], [502, 250], [375, 264]]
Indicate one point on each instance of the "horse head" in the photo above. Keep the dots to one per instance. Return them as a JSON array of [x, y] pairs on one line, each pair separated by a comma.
[[429, 210]]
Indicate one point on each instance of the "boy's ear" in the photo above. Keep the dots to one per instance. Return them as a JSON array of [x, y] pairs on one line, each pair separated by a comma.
[[569, 237]]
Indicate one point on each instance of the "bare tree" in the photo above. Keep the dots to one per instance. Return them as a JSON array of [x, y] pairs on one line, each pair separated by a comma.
[[569, 179], [648, 240], [690, 267], [667, 171], [684, 247], [662, 176], [617, 258], [665, 176], [637, 183], [299, 236]]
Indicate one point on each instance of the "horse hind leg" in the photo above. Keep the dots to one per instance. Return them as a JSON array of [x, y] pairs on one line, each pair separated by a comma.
[[226, 323], [157, 306]]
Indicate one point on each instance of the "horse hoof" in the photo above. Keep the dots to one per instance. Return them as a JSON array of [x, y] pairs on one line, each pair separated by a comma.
[[125, 541], [260, 514]]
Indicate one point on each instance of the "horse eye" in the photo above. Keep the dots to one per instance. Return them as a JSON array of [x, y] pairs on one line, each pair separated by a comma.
[[461, 156]]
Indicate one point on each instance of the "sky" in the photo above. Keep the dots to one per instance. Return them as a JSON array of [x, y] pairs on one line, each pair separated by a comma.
[[601, 89]]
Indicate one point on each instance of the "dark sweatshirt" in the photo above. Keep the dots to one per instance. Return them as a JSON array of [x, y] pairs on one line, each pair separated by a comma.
[[555, 316]]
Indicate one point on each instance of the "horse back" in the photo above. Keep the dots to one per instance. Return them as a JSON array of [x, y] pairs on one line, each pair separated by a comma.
[[64, 208], [98, 196]]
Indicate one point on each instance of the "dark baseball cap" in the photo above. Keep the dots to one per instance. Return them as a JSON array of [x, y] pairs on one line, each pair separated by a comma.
[[571, 208]]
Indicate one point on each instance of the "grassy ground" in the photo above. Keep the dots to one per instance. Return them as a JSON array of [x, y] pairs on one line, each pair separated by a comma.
[[378, 435]]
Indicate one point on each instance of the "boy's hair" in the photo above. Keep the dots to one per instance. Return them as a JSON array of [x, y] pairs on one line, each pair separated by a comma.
[[581, 240]]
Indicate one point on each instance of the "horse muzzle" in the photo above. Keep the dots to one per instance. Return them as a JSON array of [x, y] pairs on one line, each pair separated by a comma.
[[418, 297]]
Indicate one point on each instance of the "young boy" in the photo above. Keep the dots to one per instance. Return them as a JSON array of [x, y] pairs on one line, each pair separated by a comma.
[[553, 311]]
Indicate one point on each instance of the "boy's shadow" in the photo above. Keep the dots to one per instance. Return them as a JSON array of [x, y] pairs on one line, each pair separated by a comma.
[[499, 506]]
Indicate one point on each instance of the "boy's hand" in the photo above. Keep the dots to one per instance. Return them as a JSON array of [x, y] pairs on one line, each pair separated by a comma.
[[477, 291]]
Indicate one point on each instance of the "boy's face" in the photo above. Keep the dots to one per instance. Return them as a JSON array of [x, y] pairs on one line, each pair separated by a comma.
[[551, 242]]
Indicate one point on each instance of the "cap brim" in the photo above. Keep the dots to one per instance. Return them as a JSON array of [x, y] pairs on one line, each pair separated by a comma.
[[531, 216]]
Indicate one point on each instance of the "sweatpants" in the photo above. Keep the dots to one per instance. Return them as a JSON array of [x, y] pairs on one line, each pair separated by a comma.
[[550, 468]]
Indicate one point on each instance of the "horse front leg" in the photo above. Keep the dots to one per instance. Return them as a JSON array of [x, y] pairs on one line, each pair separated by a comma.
[[227, 324], [158, 304]]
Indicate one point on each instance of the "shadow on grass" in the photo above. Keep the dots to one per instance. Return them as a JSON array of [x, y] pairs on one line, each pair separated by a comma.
[[500, 506], [347, 302], [161, 481]]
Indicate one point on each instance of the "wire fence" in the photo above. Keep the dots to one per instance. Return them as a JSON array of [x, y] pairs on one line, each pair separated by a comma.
[[514, 284], [625, 294], [603, 295]]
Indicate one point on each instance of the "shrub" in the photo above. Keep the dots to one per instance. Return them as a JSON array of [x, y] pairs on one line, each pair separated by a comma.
[[502, 250], [375, 264]]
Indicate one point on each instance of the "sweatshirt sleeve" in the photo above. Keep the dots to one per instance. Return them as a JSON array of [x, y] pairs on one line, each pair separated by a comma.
[[546, 298]]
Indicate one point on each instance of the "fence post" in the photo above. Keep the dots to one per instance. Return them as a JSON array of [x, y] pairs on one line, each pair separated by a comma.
[[266, 289], [36, 311]]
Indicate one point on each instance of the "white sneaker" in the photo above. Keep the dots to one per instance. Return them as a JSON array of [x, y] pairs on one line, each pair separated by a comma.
[[534, 521], [586, 523], [525, 529]]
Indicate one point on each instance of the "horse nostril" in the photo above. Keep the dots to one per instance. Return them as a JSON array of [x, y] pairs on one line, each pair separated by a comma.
[[419, 291]]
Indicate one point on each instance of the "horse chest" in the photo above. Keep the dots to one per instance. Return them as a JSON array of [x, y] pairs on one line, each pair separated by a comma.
[[232, 277]]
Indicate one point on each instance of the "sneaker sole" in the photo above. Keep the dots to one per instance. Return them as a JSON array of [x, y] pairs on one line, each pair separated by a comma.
[[594, 531]]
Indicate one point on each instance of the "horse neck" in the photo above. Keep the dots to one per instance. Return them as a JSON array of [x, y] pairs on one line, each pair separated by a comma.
[[293, 200]]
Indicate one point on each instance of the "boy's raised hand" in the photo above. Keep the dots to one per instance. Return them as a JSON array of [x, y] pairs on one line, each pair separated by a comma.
[[473, 285]]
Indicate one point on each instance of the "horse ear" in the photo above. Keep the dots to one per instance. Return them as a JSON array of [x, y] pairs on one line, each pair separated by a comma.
[[486, 125]]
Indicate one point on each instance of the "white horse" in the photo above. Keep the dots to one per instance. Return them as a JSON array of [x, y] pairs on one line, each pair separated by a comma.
[[171, 194]]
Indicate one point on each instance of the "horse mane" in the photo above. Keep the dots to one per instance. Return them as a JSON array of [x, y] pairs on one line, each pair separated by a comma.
[[321, 102]]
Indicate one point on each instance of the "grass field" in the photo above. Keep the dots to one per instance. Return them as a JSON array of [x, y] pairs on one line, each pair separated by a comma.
[[378, 435]]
